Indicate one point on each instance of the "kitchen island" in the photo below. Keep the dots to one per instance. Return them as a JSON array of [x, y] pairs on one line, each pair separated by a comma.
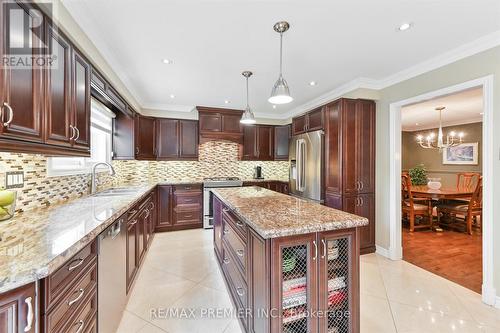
[[290, 265]]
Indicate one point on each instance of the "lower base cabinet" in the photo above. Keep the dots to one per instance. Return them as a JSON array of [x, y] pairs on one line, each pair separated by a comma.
[[180, 207], [17, 310], [305, 283]]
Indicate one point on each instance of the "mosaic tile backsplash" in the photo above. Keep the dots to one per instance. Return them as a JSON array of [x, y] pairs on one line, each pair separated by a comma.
[[216, 158]]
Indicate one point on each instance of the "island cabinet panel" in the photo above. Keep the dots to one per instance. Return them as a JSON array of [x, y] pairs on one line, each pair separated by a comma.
[[350, 162], [145, 143], [281, 142], [17, 310], [218, 226]]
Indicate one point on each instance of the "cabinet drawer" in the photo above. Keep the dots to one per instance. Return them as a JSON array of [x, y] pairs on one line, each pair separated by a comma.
[[187, 216], [186, 198], [188, 187], [239, 226], [63, 278], [236, 246], [84, 317], [237, 284], [72, 300], [92, 327]]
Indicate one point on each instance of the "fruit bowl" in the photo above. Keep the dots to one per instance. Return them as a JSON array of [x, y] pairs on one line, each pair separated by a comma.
[[7, 204], [434, 183]]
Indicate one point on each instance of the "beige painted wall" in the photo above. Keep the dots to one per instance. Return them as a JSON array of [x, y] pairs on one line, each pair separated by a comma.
[[476, 66], [413, 155]]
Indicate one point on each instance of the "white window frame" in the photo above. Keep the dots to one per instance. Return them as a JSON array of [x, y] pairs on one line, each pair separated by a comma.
[[83, 165]]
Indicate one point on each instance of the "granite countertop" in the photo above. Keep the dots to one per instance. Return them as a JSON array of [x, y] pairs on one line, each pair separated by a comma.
[[272, 214], [35, 243]]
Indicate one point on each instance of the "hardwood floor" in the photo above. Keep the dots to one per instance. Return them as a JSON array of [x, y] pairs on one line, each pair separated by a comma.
[[453, 255]]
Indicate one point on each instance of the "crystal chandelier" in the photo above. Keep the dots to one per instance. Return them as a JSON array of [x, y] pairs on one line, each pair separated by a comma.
[[430, 141]]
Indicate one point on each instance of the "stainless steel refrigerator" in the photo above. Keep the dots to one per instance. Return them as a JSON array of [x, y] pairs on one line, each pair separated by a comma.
[[306, 165]]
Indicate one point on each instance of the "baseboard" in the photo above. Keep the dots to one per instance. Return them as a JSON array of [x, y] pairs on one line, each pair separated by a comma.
[[489, 296], [382, 251]]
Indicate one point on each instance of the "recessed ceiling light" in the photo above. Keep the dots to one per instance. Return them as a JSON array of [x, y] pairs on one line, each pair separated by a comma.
[[227, 101], [417, 124], [168, 61], [274, 106], [405, 26], [172, 96], [312, 83]]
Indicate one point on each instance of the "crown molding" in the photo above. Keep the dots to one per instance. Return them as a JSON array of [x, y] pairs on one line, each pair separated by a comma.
[[168, 107]]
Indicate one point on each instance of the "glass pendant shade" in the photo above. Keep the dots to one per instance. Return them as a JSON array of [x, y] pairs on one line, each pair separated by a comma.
[[247, 117], [280, 93]]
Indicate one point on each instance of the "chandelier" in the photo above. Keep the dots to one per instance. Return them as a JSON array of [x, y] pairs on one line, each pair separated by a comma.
[[429, 142]]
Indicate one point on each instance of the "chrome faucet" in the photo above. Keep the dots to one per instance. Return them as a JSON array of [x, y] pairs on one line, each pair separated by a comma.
[[93, 181]]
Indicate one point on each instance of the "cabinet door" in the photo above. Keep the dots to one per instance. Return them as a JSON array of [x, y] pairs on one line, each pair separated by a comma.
[[249, 142], [231, 123], [164, 218], [294, 283], [132, 258], [145, 138], [81, 101], [17, 310], [299, 125], [281, 142], [366, 208], [350, 147], [315, 120], [123, 137], [141, 235], [20, 88], [168, 138], [265, 143], [338, 282], [365, 137], [218, 225], [210, 122], [188, 139], [59, 127]]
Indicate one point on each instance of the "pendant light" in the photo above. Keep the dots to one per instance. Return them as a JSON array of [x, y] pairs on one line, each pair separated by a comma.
[[280, 93], [247, 117]]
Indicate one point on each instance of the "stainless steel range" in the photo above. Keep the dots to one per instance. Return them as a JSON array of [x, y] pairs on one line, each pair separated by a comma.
[[208, 185]]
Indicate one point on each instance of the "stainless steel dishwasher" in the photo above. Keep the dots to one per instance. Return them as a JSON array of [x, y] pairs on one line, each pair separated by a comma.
[[112, 286]]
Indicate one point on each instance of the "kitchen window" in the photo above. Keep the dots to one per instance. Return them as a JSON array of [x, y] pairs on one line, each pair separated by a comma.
[[101, 132]]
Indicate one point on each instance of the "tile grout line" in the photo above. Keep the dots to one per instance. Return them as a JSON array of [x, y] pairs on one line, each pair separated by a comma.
[[387, 296]]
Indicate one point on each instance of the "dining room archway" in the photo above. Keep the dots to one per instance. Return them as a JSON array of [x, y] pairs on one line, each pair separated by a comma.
[[395, 250]]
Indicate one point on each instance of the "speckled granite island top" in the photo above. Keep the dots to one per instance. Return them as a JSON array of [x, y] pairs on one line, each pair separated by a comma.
[[272, 214], [36, 243]]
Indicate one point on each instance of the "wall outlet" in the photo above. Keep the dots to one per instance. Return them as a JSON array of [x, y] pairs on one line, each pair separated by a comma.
[[14, 179]]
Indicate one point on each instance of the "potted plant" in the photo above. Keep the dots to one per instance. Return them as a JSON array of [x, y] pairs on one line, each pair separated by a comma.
[[418, 175]]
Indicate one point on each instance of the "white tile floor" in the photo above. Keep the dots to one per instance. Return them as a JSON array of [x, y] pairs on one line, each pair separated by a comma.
[[180, 272]]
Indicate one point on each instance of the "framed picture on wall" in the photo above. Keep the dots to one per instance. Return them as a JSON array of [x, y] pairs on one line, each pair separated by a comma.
[[464, 154]]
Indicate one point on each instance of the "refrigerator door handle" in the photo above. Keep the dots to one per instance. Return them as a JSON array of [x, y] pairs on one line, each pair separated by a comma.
[[297, 177]]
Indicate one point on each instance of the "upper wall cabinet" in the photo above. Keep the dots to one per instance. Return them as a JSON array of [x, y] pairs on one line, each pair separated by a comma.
[[145, 135], [43, 109], [177, 139], [123, 136], [311, 121], [281, 142], [222, 124]]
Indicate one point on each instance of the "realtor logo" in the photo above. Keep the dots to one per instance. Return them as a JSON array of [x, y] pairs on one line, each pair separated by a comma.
[[25, 46]]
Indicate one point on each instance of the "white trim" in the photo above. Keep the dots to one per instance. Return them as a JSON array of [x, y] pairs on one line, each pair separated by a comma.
[[382, 251], [497, 302], [488, 290]]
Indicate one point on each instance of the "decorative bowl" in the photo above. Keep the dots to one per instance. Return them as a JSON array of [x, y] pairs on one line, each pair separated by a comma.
[[434, 183], [7, 204]]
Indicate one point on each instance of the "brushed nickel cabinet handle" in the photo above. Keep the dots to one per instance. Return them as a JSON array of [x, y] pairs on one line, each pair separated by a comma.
[[362, 184], [187, 187], [81, 324], [82, 292], [72, 132], [188, 216], [30, 315], [240, 291], [225, 231], [226, 260], [132, 212], [324, 249], [240, 224], [225, 210], [11, 114], [240, 253], [137, 150], [77, 133], [134, 222], [78, 261], [315, 250]]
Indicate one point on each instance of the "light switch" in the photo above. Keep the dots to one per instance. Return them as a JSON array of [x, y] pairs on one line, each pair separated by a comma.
[[14, 179]]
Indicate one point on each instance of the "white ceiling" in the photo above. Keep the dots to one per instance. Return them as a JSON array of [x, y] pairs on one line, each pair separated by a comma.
[[461, 108], [212, 41]]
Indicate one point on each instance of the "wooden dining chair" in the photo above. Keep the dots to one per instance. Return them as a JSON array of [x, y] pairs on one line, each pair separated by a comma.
[[411, 207], [466, 180], [469, 210]]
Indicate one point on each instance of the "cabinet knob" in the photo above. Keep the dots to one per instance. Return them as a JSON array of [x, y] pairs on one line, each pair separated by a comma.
[[11, 114]]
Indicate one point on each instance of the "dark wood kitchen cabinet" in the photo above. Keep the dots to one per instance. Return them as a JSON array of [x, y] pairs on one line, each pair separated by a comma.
[[17, 310], [311, 121], [258, 143], [187, 206], [350, 161], [123, 136], [177, 139], [45, 111], [132, 254], [282, 136], [21, 90], [219, 124], [164, 219], [145, 138]]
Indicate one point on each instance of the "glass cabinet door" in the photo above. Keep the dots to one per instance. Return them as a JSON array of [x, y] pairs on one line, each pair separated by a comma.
[[338, 283], [294, 284]]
